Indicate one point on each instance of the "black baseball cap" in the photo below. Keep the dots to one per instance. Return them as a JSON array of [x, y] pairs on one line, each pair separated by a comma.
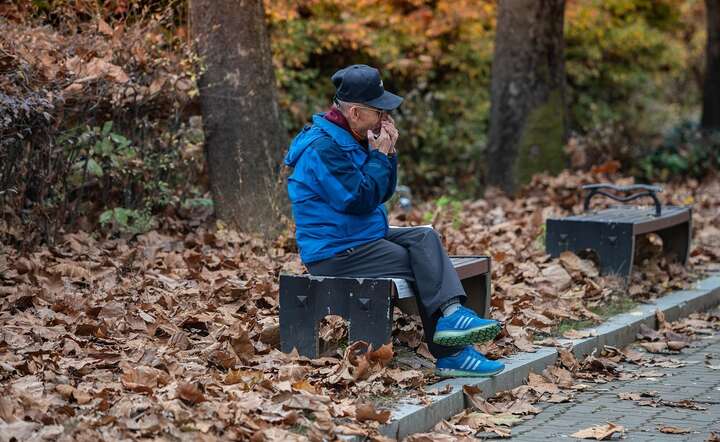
[[361, 83]]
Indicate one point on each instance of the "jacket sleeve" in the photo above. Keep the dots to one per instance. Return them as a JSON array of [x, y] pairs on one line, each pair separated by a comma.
[[346, 187], [393, 178]]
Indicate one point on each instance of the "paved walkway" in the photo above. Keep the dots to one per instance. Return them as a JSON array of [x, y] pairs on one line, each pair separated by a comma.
[[694, 381]]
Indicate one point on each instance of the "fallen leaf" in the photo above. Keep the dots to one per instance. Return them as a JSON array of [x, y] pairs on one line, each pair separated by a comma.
[[677, 345], [190, 393], [655, 347], [367, 411], [579, 334], [381, 356], [556, 275], [599, 432], [674, 430], [104, 28], [304, 385], [573, 263], [143, 379]]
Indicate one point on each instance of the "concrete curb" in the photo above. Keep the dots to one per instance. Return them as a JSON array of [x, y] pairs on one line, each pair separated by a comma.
[[411, 417]]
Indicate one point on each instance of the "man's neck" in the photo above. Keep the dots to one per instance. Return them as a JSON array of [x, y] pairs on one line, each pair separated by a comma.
[[335, 116]]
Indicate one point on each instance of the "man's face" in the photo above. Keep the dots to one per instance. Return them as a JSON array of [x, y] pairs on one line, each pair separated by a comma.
[[363, 118]]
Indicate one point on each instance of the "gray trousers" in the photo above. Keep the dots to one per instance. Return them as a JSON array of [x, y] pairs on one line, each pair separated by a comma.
[[415, 254]]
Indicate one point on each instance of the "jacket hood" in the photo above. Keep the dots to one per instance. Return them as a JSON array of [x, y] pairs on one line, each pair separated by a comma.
[[298, 145], [320, 127]]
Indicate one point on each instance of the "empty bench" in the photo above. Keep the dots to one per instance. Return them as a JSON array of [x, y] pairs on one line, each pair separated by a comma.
[[611, 233], [366, 303]]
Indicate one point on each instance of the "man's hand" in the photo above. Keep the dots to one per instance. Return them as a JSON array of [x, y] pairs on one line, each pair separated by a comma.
[[385, 142], [389, 125], [382, 142]]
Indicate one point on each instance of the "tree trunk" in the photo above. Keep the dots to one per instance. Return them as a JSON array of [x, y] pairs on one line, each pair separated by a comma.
[[528, 112], [711, 93], [244, 138]]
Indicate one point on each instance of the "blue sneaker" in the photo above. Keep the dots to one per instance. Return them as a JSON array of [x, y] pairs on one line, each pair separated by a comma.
[[467, 363], [464, 327]]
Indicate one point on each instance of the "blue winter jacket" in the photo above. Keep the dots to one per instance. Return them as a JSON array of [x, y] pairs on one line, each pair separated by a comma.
[[337, 190]]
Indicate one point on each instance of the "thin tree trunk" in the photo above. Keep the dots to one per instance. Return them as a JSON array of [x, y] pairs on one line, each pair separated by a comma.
[[528, 113], [711, 90], [244, 138]]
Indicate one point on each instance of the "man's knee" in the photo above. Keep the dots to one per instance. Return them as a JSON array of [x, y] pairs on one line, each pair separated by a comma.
[[428, 232]]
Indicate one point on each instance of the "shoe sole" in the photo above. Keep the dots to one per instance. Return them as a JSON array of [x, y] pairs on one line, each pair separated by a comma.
[[467, 337], [450, 373]]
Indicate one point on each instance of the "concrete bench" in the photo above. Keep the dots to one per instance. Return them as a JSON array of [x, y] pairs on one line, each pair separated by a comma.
[[366, 303], [612, 232]]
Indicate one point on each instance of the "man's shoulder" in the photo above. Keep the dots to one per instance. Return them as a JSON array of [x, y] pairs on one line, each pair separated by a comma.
[[321, 141]]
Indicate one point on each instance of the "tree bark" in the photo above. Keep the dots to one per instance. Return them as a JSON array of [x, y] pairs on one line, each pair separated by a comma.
[[244, 137], [711, 90], [527, 112]]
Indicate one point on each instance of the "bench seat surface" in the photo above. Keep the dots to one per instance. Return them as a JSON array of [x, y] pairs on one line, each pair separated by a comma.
[[642, 218]]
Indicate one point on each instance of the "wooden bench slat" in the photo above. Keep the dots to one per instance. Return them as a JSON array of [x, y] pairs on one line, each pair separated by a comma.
[[469, 266]]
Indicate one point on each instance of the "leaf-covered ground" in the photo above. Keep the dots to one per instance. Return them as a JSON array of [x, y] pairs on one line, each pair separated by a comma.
[[174, 334]]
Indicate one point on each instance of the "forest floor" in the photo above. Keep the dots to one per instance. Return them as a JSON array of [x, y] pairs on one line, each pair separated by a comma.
[[173, 334]]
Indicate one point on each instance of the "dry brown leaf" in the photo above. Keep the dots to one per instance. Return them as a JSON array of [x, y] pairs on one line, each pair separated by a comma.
[[560, 376], [406, 378], [104, 28], [305, 385], [567, 359], [662, 322], [556, 275], [381, 356], [655, 347], [599, 432], [430, 437], [241, 343], [292, 372], [573, 263], [579, 334], [248, 378], [190, 393], [72, 271], [367, 412], [674, 430], [82, 397], [519, 406], [646, 332], [143, 379], [473, 396], [677, 345]]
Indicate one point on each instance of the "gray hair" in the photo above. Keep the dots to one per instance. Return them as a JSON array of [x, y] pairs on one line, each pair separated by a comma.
[[343, 106]]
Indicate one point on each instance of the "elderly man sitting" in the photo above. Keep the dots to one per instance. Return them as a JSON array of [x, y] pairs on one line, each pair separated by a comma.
[[345, 168]]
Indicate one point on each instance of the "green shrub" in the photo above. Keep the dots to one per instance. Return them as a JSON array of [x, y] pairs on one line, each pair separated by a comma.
[[121, 220], [685, 151]]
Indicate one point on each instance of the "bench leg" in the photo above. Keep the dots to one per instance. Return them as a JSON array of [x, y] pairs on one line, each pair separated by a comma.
[[616, 249], [477, 289], [676, 241], [574, 236], [298, 324], [614, 243], [370, 313]]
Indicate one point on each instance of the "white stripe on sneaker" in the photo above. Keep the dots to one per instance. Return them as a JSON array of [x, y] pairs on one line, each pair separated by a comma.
[[464, 322], [466, 362], [457, 323], [476, 364]]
